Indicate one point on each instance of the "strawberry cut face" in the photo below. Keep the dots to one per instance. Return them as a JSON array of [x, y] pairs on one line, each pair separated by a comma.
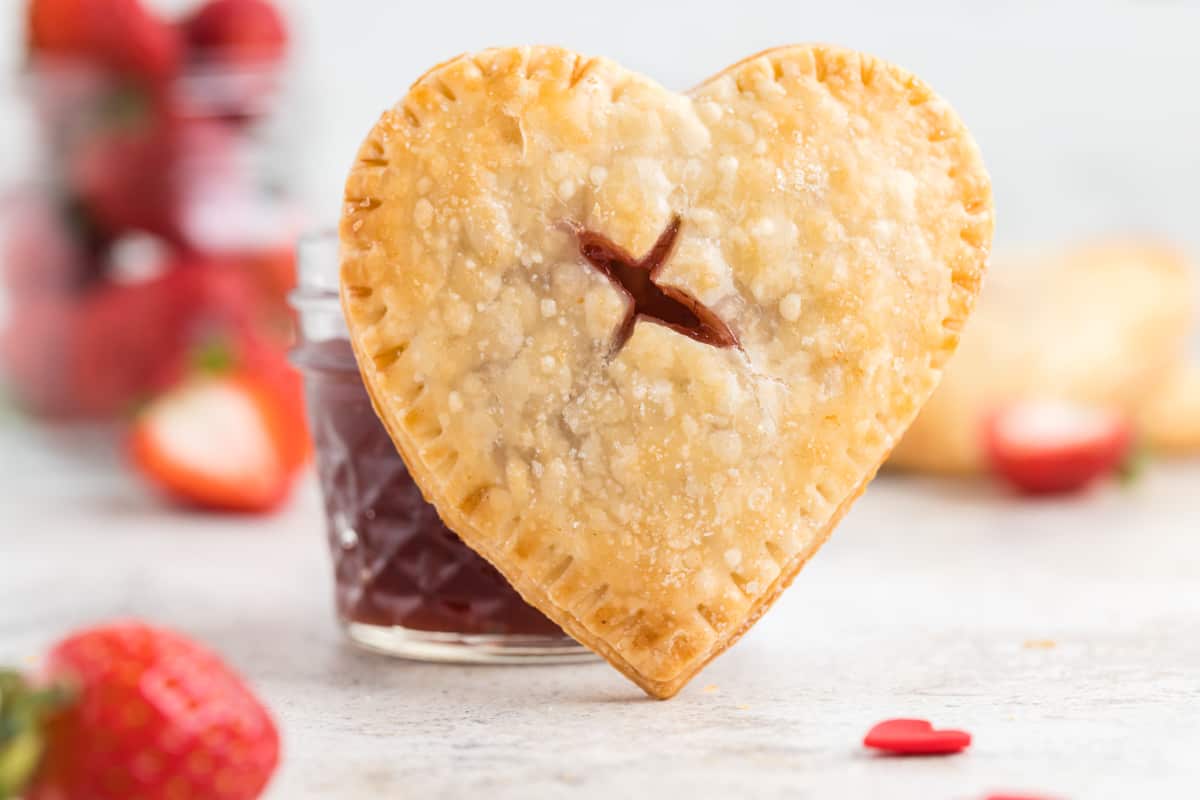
[[215, 443], [1049, 447], [215, 424], [1045, 426]]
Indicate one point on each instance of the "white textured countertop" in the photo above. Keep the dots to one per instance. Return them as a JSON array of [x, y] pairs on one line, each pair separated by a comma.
[[933, 599]]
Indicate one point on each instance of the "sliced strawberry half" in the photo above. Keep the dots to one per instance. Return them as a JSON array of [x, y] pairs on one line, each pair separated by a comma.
[[1048, 447], [218, 442]]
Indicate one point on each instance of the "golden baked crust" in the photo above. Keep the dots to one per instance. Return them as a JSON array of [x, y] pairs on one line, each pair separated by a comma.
[[654, 500], [1169, 419], [1099, 324]]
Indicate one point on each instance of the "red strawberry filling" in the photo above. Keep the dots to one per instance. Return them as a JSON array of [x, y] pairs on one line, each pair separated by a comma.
[[638, 280]]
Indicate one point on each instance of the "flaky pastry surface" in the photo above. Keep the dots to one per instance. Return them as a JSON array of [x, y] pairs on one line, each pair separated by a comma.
[[655, 499]]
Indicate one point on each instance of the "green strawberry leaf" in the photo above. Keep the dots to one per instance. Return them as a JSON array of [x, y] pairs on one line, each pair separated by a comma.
[[1134, 466], [23, 710]]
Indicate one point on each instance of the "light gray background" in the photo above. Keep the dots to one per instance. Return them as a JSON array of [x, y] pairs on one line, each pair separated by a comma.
[[1088, 113]]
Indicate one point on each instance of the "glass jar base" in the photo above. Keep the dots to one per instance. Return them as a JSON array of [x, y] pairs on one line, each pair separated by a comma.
[[459, 648]]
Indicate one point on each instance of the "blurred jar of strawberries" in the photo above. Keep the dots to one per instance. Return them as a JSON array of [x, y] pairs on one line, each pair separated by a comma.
[[155, 231]]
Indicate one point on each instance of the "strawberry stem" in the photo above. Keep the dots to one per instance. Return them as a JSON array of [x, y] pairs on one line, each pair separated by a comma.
[[214, 357], [1133, 466], [23, 710]]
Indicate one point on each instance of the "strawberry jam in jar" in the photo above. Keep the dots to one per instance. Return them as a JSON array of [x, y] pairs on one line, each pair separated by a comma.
[[405, 584]]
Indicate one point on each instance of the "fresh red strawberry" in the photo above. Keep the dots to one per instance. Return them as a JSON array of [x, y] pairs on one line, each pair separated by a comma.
[[116, 34], [238, 31], [140, 713], [1052, 447], [218, 442]]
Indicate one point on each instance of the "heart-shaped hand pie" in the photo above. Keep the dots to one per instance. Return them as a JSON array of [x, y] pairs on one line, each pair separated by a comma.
[[642, 350]]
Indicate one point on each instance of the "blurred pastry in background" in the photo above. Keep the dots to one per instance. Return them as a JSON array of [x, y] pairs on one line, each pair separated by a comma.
[[1100, 325], [1170, 418]]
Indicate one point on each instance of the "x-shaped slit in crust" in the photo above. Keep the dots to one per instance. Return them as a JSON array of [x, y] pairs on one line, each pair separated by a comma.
[[637, 279]]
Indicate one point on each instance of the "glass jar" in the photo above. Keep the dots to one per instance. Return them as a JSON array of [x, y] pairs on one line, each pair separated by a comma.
[[154, 218], [405, 584]]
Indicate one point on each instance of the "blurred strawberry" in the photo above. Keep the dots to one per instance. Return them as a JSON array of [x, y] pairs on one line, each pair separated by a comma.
[[117, 34], [133, 40], [268, 362], [1052, 447], [128, 711], [222, 442], [126, 178], [35, 348], [276, 268], [119, 334], [128, 337], [40, 255], [59, 27], [238, 31]]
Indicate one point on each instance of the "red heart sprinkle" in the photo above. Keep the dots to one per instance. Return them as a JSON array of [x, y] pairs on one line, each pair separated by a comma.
[[915, 737], [1016, 797]]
